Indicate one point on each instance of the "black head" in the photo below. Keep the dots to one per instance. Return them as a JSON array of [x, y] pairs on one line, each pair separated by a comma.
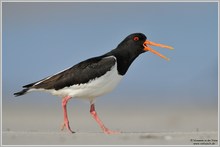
[[133, 43], [130, 48], [137, 43]]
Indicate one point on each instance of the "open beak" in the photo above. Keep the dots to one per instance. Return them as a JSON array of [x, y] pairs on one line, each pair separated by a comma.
[[147, 48]]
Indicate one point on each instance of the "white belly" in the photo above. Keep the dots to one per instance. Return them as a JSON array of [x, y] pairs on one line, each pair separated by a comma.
[[93, 88]]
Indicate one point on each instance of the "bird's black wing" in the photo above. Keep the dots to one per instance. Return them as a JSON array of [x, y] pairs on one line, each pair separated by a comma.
[[80, 73]]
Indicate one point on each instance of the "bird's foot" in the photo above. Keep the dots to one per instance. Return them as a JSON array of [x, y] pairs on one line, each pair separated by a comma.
[[66, 124], [107, 131]]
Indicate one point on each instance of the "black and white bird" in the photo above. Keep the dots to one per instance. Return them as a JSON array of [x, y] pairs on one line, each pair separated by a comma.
[[94, 77]]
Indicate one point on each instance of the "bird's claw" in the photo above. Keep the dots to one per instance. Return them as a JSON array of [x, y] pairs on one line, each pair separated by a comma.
[[66, 124], [107, 131]]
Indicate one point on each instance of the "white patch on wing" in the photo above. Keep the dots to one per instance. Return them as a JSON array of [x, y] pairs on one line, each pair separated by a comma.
[[42, 81], [50, 76], [94, 88]]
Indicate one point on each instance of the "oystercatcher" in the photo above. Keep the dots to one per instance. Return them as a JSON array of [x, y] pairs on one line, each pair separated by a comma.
[[94, 77]]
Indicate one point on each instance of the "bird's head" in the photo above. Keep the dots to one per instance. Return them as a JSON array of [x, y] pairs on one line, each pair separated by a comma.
[[138, 43]]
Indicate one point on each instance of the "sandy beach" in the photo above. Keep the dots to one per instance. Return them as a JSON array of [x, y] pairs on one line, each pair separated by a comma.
[[61, 138], [29, 125]]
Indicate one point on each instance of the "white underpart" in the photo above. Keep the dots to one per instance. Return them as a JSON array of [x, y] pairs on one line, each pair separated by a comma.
[[94, 88]]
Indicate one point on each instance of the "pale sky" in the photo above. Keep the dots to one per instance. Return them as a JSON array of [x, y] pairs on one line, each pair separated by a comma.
[[40, 39]]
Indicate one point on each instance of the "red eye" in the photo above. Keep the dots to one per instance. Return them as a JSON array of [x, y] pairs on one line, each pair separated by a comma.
[[136, 38]]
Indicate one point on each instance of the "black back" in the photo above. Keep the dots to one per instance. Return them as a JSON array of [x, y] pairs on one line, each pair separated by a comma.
[[80, 73]]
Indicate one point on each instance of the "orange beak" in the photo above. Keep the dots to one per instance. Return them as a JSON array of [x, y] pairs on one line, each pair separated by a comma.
[[147, 48]]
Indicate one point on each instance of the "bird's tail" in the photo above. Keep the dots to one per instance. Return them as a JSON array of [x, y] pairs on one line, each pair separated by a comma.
[[24, 91]]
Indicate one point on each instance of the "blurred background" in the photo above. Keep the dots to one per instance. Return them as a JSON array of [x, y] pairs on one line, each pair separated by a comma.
[[40, 39]]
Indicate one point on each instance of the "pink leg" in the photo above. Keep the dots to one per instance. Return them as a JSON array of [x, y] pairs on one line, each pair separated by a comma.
[[95, 116], [66, 121]]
